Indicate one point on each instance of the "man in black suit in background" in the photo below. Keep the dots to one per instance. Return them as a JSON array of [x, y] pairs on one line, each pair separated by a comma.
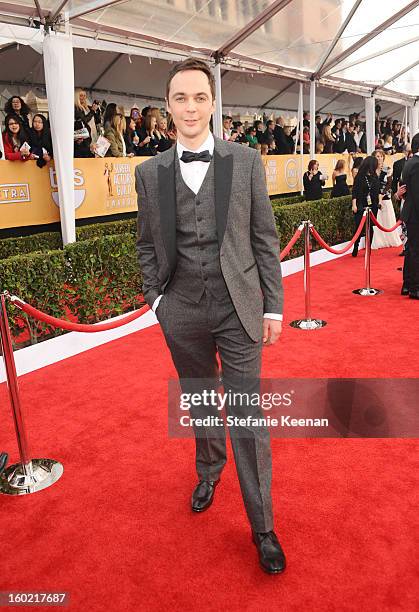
[[410, 216], [346, 142], [398, 168], [281, 140]]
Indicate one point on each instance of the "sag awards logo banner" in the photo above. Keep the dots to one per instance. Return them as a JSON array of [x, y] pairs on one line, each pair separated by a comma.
[[29, 195], [101, 187], [283, 173]]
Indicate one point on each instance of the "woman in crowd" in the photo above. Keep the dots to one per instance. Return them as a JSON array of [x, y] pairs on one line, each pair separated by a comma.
[[83, 147], [115, 135], [356, 166], [14, 139], [340, 186], [17, 106], [165, 142], [289, 139], [40, 140], [328, 139], [149, 142], [136, 115], [385, 215], [110, 112], [388, 144], [131, 137], [155, 112], [90, 115], [313, 181], [251, 137], [171, 128], [306, 140], [382, 170], [366, 189]]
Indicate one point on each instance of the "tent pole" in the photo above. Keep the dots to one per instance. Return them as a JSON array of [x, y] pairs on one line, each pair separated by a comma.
[[301, 107], [413, 121], [58, 59], [217, 117], [370, 123], [297, 131], [2, 158], [312, 119]]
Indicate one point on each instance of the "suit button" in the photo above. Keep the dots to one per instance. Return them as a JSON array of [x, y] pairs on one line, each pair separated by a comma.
[[198, 202], [204, 263], [201, 235], [205, 278], [199, 219]]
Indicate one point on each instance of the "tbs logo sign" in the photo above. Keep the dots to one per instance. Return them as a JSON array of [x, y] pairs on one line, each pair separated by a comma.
[[79, 194]]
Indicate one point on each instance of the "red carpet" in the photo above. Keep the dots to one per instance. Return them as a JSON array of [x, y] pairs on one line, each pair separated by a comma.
[[117, 532]]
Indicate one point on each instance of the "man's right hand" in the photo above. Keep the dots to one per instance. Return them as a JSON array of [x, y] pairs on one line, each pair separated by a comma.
[[400, 193]]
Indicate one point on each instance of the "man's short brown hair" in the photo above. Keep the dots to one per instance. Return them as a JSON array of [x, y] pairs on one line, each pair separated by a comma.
[[191, 64]]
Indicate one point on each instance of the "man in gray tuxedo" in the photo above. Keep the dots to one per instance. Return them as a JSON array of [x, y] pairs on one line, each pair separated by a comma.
[[209, 253]]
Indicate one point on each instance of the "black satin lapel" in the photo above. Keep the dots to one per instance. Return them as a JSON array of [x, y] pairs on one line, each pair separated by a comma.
[[223, 174], [167, 205]]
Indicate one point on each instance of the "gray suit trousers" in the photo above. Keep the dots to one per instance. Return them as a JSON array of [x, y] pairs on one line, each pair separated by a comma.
[[194, 334]]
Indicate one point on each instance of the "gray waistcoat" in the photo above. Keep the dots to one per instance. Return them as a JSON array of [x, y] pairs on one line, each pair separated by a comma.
[[198, 255]]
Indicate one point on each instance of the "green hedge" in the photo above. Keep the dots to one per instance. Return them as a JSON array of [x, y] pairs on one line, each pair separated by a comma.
[[287, 200], [90, 281], [49, 241]]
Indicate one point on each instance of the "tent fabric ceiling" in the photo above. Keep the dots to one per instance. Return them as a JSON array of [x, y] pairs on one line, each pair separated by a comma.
[[136, 80], [299, 38]]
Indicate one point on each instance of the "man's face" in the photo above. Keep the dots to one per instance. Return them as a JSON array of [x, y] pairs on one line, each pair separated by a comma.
[[190, 103]]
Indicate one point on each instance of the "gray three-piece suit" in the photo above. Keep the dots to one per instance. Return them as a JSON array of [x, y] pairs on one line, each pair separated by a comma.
[[215, 258]]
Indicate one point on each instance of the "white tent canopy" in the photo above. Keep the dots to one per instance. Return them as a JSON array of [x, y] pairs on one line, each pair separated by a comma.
[[361, 46], [130, 80]]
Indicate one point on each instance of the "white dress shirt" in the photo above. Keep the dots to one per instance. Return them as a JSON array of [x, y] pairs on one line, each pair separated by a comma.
[[193, 173]]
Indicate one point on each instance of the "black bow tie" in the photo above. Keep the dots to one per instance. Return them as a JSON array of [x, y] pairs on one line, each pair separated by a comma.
[[189, 156]]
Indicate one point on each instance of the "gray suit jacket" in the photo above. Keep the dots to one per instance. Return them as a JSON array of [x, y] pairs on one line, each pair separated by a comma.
[[247, 237]]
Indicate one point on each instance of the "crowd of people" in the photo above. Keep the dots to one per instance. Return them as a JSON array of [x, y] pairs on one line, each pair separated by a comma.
[[331, 136], [102, 129]]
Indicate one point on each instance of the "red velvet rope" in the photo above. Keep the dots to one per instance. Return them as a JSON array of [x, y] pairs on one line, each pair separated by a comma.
[[289, 246], [79, 327], [99, 327], [324, 244], [384, 229]]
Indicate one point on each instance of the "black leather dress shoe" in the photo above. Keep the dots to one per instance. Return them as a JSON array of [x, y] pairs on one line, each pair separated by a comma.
[[271, 555], [355, 252], [203, 495], [3, 461], [405, 290], [414, 295]]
